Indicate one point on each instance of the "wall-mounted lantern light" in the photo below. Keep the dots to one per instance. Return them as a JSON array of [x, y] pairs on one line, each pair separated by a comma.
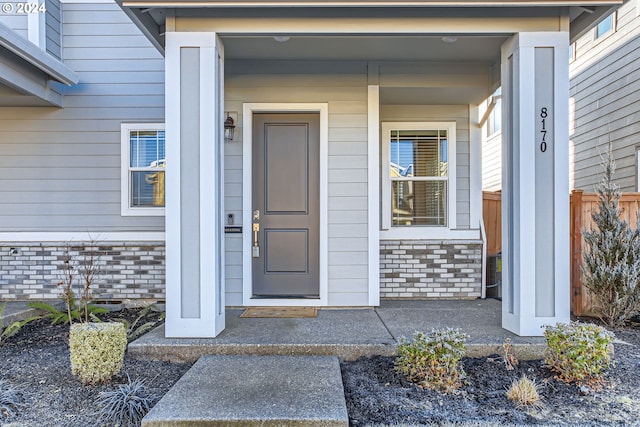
[[229, 128]]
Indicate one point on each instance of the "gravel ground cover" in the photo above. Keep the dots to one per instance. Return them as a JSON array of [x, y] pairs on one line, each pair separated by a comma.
[[36, 363]]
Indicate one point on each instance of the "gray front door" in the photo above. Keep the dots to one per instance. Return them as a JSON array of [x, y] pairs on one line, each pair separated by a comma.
[[286, 193]]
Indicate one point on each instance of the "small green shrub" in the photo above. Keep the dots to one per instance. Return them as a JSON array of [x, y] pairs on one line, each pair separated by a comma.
[[524, 392], [125, 406], [611, 255], [433, 360], [578, 352], [10, 401], [97, 350], [13, 328], [74, 310]]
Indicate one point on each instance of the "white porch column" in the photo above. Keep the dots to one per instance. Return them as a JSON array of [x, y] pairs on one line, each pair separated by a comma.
[[194, 185], [535, 181]]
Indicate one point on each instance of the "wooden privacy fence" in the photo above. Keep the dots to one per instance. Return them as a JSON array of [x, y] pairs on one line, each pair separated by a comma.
[[581, 205], [492, 217]]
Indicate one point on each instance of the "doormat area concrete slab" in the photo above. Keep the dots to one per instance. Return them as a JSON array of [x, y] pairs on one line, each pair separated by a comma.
[[255, 391], [280, 312]]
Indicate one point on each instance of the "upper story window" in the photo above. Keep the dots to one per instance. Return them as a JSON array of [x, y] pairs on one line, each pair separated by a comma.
[[143, 165], [605, 26], [418, 174]]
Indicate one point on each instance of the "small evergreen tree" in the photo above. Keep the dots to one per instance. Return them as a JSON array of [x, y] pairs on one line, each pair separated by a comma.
[[611, 256]]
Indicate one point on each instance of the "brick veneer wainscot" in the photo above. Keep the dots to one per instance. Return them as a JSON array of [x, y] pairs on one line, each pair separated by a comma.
[[425, 269], [128, 270]]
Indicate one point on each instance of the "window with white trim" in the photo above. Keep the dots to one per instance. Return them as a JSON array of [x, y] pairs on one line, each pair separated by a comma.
[[606, 26], [418, 174], [143, 169]]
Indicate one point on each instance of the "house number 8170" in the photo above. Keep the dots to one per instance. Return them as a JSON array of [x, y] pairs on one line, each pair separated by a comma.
[[543, 131]]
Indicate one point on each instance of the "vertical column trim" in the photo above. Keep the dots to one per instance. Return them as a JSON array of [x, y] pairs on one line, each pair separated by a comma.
[[518, 218], [373, 186], [37, 29], [209, 323]]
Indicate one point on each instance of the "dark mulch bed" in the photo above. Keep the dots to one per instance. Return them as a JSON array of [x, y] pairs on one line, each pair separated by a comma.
[[377, 395], [36, 362]]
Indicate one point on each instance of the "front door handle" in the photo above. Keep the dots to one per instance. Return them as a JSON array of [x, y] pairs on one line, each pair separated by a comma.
[[255, 250]]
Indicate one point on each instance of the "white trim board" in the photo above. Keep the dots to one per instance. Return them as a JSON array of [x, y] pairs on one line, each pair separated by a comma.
[[81, 236], [247, 134], [373, 187]]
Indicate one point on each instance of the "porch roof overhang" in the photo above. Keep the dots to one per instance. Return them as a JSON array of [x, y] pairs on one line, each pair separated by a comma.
[[150, 15], [26, 72]]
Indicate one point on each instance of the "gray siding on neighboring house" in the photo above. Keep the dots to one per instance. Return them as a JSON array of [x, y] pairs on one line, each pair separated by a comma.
[[53, 28], [440, 113], [17, 22], [344, 88], [605, 102], [60, 168], [492, 162]]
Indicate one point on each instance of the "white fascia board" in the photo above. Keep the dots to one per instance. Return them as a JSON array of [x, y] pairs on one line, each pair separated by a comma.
[[35, 56]]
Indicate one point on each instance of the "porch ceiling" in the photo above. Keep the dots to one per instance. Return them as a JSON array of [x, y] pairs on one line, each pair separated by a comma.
[[483, 48], [412, 70]]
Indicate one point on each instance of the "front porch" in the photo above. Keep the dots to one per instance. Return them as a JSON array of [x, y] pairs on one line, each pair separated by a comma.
[[346, 333]]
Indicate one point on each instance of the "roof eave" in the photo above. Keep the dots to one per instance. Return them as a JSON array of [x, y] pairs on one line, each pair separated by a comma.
[[37, 57]]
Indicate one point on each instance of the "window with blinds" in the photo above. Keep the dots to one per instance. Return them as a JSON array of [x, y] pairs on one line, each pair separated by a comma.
[[419, 177], [143, 164], [147, 162]]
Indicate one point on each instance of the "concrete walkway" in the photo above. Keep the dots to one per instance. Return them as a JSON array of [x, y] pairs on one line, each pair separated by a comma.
[[348, 333], [255, 391]]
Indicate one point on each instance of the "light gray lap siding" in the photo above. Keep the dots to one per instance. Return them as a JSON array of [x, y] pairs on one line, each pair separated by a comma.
[[60, 168], [344, 88], [53, 28], [605, 101], [17, 22]]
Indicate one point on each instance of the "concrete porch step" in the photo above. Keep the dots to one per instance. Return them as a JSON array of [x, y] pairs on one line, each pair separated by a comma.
[[255, 391], [346, 333]]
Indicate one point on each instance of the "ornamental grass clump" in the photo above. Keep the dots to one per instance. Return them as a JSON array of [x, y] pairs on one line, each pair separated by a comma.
[[433, 360], [97, 350], [10, 401], [125, 406], [524, 392], [578, 352]]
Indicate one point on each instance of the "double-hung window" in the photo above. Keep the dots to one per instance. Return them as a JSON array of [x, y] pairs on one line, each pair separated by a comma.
[[143, 169], [418, 175]]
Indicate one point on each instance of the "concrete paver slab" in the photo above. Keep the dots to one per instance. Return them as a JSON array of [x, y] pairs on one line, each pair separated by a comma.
[[480, 319], [348, 334], [18, 310], [255, 390]]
